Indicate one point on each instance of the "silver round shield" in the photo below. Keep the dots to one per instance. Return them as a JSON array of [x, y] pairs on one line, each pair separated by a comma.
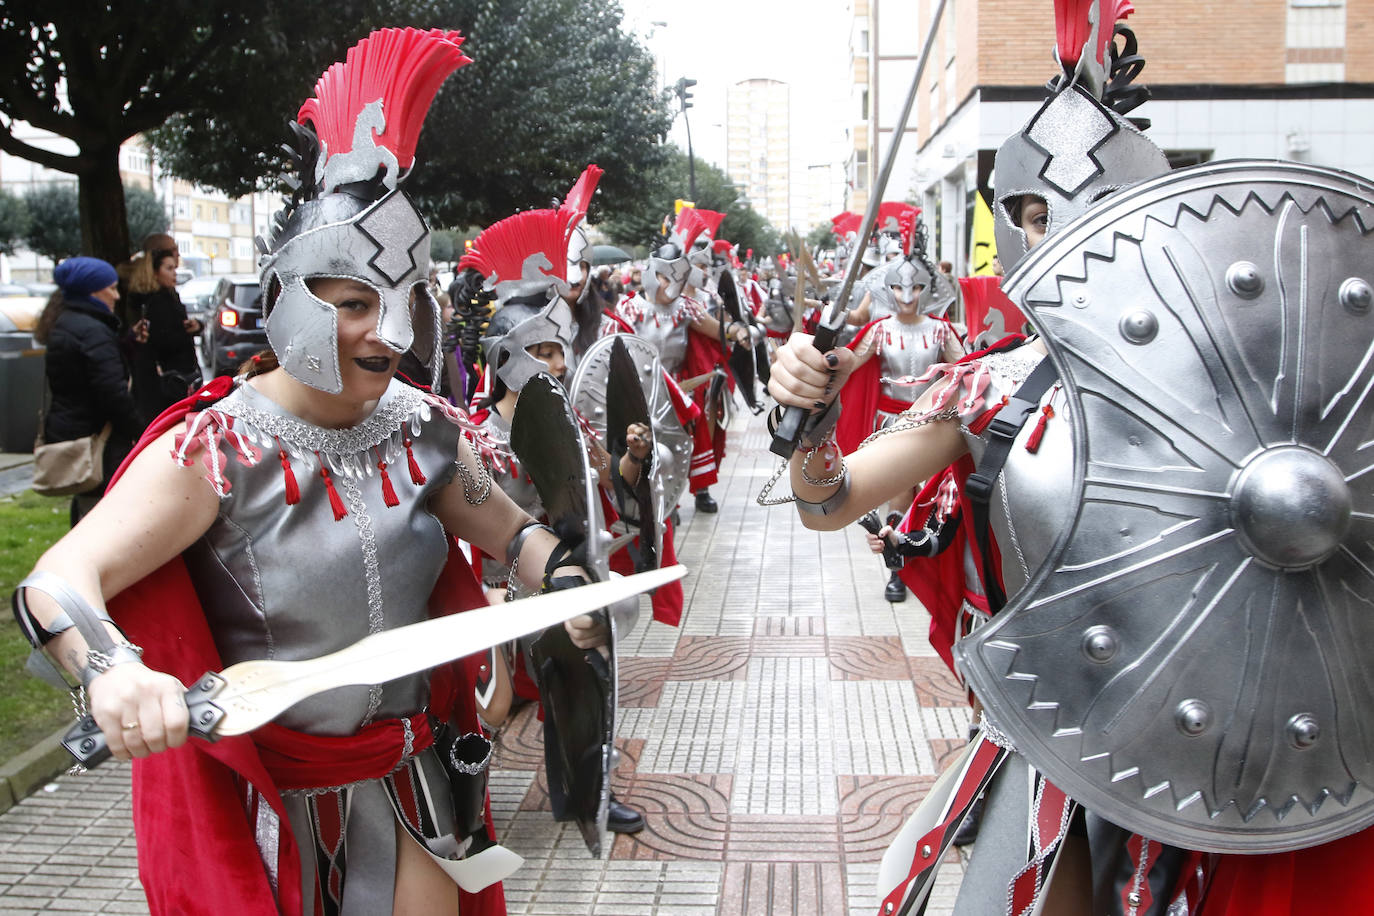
[[1192, 659], [674, 444]]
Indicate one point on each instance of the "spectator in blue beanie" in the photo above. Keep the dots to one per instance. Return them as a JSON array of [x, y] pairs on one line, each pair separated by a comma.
[[86, 370]]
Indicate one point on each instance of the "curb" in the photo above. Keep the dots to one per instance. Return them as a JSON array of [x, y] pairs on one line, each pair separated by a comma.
[[23, 774]]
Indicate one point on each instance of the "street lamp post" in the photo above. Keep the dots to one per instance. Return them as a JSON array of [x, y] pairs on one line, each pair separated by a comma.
[[684, 95]]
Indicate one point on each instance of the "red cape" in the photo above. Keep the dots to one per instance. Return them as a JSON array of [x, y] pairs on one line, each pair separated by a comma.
[[938, 582], [194, 841]]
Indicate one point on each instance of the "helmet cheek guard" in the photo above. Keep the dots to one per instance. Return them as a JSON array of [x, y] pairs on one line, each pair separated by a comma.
[[1071, 153], [383, 247]]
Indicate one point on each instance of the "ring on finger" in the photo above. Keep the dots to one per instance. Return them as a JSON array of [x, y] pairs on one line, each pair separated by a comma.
[[130, 726]]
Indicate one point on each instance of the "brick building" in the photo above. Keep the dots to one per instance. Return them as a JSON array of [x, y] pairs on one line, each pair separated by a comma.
[[1289, 79]]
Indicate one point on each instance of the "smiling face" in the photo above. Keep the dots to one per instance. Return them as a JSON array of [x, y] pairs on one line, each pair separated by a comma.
[[366, 364]]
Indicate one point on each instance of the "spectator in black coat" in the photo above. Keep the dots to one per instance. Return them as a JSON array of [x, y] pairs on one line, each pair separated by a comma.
[[85, 368], [165, 369]]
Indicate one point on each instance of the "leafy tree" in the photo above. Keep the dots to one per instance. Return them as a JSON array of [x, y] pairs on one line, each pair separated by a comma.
[[742, 225], [100, 73], [14, 222], [55, 230], [441, 245], [822, 235], [554, 85], [147, 214]]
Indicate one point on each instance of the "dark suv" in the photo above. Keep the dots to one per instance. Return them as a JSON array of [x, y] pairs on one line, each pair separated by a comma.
[[235, 325]]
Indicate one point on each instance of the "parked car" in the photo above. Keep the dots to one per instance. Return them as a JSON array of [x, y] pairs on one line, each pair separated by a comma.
[[40, 289], [235, 331], [13, 289], [198, 295]]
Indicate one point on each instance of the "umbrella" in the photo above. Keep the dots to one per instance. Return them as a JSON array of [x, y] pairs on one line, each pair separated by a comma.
[[608, 254]]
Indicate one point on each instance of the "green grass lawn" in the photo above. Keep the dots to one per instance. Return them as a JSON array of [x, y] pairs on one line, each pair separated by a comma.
[[29, 708]]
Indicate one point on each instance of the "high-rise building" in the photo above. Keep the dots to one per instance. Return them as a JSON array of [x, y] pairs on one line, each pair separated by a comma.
[[758, 147], [1291, 79]]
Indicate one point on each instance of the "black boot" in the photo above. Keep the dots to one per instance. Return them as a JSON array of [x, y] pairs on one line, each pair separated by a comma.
[[968, 830], [896, 589], [705, 503], [621, 818]]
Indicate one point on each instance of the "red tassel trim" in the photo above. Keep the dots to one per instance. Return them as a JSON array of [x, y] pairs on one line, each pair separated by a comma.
[[416, 476], [980, 424], [334, 502], [1033, 443], [293, 490], [388, 491]]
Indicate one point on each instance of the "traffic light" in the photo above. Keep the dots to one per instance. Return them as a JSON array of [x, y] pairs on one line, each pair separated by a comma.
[[684, 94]]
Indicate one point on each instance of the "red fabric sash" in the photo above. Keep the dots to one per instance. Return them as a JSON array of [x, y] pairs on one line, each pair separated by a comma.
[[297, 760]]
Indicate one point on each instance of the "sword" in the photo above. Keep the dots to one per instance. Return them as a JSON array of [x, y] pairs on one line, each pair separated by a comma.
[[832, 319], [250, 694]]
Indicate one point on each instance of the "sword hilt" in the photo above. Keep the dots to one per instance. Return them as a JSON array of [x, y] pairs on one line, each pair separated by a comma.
[[789, 429], [872, 524], [86, 742]]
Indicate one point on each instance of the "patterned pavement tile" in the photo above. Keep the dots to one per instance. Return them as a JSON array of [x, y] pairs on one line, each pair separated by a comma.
[[695, 728], [870, 658], [641, 681], [935, 684], [880, 729], [782, 839], [776, 742], [721, 658], [782, 889]]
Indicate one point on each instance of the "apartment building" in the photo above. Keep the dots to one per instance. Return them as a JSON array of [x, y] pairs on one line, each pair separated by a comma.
[[1290, 79], [758, 156], [214, 233]]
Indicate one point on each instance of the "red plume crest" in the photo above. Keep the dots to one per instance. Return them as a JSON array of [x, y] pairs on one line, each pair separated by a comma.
[[500, 252], [721, 246], [401, 67], [846, 224], [692, 223], [906, 226], [580, 194], [1073, 29], [891, 213]]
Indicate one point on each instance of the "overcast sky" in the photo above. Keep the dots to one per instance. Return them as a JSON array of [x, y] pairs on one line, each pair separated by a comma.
[[719, 42]]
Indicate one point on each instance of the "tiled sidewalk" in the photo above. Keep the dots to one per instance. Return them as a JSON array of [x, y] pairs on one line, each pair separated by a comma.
[[776, 741]]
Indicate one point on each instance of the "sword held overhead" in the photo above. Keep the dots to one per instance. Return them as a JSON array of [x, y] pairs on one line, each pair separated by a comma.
[[832, 319]]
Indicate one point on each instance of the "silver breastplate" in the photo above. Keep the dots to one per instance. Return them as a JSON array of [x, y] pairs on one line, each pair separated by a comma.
[[907, 350], [288, 581], [1031, 500], [668, 336]]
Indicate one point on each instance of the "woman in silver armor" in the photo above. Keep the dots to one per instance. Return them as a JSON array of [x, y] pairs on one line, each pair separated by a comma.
[[312, 503]]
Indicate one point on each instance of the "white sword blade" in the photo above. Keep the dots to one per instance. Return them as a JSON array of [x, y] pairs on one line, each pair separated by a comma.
[[258, 691]]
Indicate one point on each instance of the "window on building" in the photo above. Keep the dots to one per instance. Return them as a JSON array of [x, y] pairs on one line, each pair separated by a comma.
[[181, 208], [863, 41], [863, 105], [1315, 50], [950, 32]]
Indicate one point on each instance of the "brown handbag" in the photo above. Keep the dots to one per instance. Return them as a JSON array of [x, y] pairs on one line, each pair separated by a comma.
[[67, 468]]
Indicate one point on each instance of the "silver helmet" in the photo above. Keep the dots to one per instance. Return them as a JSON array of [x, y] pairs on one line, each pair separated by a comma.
[[909, 280], [347, 218], [521, 324], [1077, 148]]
